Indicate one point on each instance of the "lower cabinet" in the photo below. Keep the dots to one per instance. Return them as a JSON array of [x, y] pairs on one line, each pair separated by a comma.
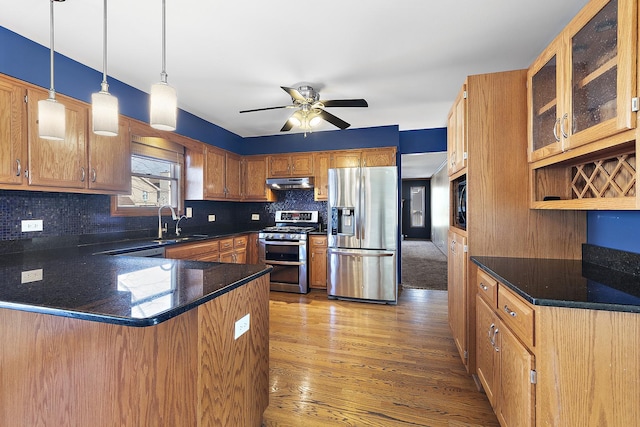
[[208, 250], [230, 250], [457, 293], [504, 364], [318, 262], [233, 250]]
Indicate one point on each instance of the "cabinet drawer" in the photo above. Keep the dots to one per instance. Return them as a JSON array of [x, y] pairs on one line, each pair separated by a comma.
[[240, 242], [318, 241], [192, 250], [226, 244], [487, 288], [517, 314]]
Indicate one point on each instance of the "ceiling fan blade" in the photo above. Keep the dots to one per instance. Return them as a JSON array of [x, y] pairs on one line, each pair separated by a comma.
[[267, 108], [333, 119], [294, 94], [345, 103], [287, 126]]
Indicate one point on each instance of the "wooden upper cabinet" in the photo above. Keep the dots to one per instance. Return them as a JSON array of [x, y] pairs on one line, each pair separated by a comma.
[[346, 159], [582, 86], [321, 162], [110, 160], [233, 173], [58, 163], [214, 172], [379, 157], [12, 133], [456, 133], [254, 175], [285, 165]]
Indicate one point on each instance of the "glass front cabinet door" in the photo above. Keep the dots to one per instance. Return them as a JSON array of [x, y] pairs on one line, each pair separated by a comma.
[[582, 87]]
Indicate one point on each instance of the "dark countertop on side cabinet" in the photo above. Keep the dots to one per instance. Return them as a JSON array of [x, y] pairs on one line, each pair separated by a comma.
[[565, 283], [131, 291]]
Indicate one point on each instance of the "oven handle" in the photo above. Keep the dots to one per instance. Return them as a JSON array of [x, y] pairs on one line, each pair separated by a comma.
[[269, 262], [282, 242]]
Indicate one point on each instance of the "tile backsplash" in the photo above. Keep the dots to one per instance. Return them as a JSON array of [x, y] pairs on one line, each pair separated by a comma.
[[65, 214]]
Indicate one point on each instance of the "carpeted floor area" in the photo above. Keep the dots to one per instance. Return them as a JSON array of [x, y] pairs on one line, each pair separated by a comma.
[[424, 266]]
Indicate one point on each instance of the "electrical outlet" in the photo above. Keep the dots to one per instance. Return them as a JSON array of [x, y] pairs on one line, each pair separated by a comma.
[[242, 326], [29, 225], [212, 218], [31, 276], [255, 217], [189, 213]]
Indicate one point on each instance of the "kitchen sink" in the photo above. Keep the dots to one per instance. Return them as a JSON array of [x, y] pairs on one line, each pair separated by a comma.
[[180, 239]]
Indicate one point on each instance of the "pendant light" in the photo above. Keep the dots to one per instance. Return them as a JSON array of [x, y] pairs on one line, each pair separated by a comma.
[[51, 113], [104, 105], [163, 99]]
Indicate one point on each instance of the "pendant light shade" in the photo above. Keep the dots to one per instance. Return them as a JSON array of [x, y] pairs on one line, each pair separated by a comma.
[[51, 119], [164, 107], [104, 105], [163, 102], [51, 114]]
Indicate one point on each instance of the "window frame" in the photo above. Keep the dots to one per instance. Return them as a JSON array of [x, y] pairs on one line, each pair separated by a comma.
[[157, 148]]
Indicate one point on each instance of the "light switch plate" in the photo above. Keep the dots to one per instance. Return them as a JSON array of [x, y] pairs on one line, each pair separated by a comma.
[[31, 276], [242, 326], [29, 225], [212, 218], [255, 217], [189, 213]]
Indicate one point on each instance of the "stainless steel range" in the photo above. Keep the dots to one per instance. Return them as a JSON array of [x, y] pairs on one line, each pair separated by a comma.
[[284, 247]]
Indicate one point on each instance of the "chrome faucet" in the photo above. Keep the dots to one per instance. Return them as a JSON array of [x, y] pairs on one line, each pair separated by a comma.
[[178, 229], [173, 216]]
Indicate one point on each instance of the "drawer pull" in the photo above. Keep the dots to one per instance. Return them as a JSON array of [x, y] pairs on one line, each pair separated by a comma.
[[509, 311], [484, 287]]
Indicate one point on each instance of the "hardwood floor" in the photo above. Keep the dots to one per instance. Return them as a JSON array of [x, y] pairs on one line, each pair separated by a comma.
[[341, 363]]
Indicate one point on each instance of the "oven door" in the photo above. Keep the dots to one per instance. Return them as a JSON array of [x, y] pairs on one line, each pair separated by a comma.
[[289, 262]]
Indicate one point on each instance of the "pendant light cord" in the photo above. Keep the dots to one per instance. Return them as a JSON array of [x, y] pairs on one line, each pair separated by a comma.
[[105, 86], [52, 91], [163, 74]]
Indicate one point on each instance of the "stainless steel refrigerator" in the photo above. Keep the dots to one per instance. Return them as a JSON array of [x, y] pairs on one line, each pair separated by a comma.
[[362, 234]]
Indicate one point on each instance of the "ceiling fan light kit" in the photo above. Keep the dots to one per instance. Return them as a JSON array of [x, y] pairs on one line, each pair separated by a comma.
[[104, 106], [163, 100], [51, 113], [311, 110]]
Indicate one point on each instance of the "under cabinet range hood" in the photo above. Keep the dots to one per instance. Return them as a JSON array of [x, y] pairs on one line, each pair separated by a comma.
[[290, 183]]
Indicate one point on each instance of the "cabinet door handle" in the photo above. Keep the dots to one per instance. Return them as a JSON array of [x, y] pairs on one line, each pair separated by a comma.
[[495, 334], [18, 167], [509, 311], [565, 118], [491, 328], [484, 287], [555, 129], [94, 175], [83, 176]]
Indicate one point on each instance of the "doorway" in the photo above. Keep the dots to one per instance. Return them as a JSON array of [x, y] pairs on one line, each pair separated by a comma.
[[416, 209]]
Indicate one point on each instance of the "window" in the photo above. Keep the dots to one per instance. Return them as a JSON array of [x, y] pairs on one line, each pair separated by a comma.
[[417, 207], [157, 167]]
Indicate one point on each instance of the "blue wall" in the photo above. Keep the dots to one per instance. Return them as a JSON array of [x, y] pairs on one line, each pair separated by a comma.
[[28, 61]]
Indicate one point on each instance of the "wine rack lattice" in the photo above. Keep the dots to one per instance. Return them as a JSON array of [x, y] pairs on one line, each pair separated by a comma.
[[608, 178]]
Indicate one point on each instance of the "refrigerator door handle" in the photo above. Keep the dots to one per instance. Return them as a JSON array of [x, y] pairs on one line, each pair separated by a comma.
[[360, 254]]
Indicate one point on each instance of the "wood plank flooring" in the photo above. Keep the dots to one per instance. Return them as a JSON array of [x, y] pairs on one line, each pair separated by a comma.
[[342, 363]]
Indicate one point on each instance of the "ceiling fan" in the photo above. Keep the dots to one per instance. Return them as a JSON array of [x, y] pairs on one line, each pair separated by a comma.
[[311, 110]]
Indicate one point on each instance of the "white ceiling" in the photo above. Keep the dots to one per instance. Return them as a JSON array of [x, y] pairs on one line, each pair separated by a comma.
[[421, 165], [407, 58]]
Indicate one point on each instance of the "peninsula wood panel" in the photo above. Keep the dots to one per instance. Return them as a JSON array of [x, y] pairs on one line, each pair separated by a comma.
[[587, 363], [59, 371]]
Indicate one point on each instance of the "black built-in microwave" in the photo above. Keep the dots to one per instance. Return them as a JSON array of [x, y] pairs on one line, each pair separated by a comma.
[[459, 199]]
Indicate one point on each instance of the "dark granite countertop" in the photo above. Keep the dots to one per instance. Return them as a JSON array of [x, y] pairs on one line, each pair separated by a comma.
[[566, 283], [131, 291]]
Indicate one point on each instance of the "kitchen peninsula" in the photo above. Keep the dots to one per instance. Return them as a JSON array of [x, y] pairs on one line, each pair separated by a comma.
[[115, 340]]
